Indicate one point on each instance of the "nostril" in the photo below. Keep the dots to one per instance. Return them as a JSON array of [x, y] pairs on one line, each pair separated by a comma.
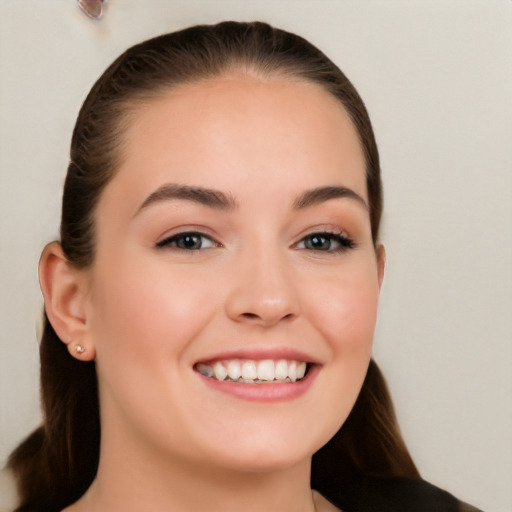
[[250, 315], [253, 317]]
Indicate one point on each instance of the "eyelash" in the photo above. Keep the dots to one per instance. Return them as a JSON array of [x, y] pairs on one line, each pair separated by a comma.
[[344, 243], [173, 241]]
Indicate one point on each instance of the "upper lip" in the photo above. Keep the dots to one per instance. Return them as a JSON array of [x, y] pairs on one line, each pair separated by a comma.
[[260, 353]]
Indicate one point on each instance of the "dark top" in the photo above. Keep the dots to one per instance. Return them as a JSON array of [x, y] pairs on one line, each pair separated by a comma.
[[374, 494]]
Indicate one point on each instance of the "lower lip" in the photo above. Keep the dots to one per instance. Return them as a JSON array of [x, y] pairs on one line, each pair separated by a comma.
[[264, 392]]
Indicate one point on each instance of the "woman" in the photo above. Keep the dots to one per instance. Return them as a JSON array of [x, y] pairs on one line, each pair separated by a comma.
[[210, 307]]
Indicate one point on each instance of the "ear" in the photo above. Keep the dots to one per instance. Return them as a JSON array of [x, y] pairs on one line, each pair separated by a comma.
[[65, 294], [380, 252]]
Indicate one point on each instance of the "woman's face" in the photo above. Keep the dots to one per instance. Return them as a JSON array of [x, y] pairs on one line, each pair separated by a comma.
[[234, 240]]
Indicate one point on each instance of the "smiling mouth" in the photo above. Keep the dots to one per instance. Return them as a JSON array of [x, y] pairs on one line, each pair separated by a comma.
[[249, 371]]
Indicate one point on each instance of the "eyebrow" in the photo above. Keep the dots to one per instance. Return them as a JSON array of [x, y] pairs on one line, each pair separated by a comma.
[[205, 196], [220, 201], [322, 194]]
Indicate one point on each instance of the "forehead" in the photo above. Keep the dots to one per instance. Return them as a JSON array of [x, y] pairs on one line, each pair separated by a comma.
[[242, 132]]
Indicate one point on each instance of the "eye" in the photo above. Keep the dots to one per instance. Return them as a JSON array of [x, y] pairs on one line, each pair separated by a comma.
[[331, 242], [189, 241]]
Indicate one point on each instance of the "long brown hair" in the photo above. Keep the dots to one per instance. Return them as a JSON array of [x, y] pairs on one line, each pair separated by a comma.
[[56, 464]]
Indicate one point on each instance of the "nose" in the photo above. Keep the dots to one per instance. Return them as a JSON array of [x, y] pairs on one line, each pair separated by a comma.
[[264, 292]]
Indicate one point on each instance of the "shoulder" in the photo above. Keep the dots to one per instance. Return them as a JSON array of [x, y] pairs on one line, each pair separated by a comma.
[[392, 494], [405, 494], [421, 496]]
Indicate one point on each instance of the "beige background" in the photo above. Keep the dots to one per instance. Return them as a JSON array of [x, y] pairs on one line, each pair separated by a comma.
[[437, 80]]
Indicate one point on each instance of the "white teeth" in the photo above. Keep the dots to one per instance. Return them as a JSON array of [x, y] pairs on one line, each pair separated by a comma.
[[254, 372], [292, 371], [281, 370], [219, 371], [266, 369], [249, 370], [234, 370], [301, 370]]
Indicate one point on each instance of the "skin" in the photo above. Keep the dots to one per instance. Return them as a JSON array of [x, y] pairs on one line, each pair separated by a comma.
[[147, 314]]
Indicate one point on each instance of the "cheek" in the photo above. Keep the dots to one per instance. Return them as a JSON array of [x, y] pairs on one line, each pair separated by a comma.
[[143, 322], [348, 314], [143, 308], [347, 321]]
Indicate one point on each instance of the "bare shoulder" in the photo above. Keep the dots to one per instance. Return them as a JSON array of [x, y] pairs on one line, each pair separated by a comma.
[[324, 505]]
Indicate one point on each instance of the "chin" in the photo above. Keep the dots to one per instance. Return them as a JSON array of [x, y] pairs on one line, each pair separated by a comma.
[[267, 463], [270, 452]]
